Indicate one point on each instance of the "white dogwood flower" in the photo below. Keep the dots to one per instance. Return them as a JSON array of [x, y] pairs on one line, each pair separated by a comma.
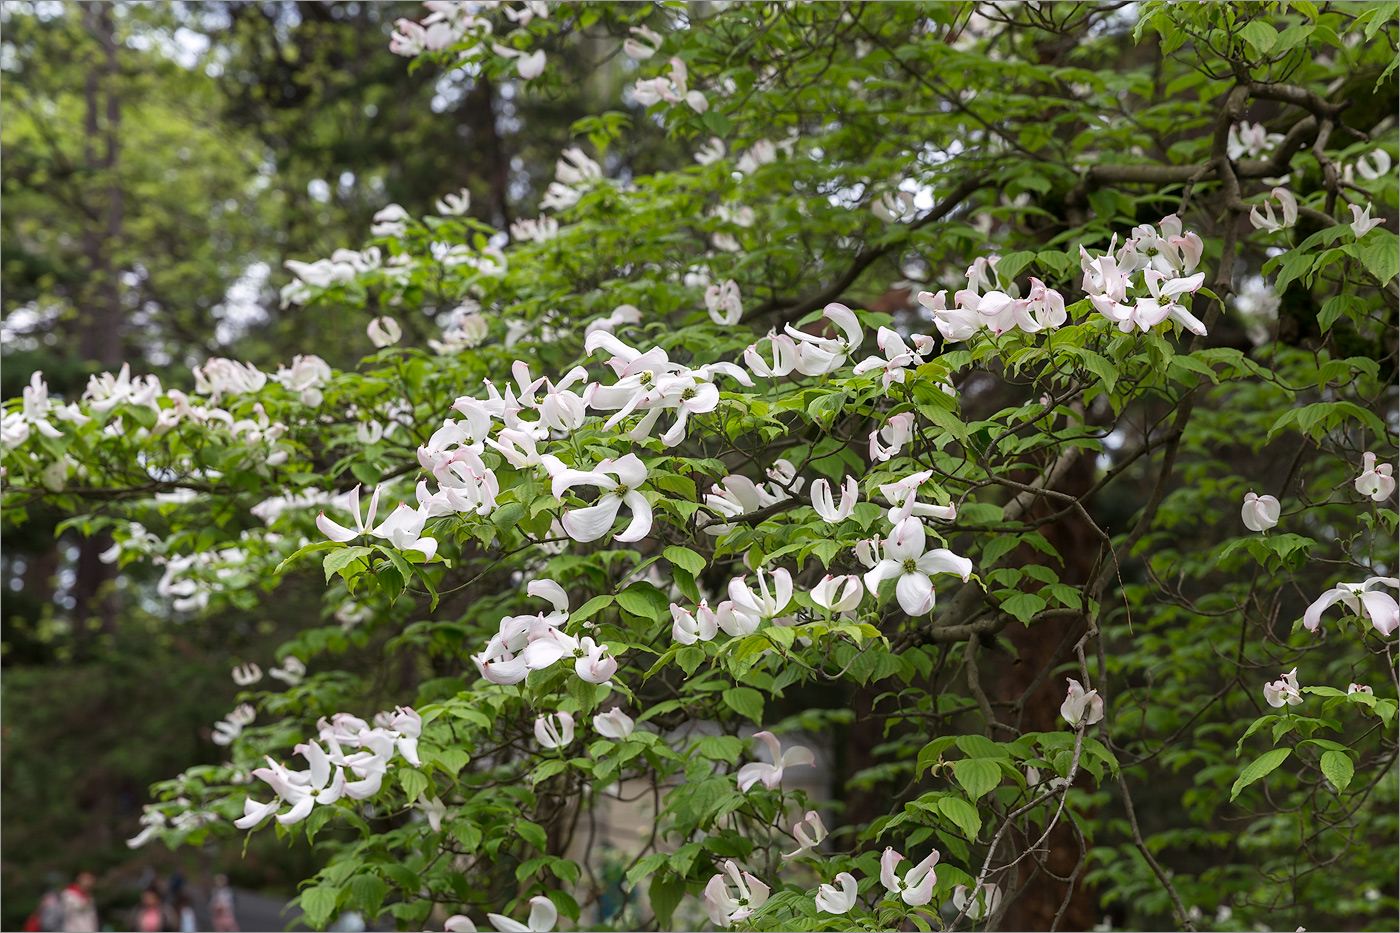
[[1080, 707], [771, 775], [1260, 513], [618, 480], [907, 561]]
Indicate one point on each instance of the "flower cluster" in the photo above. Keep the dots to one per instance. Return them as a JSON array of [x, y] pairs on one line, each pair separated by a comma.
[[452, 24], [735, 496], [403, 528], [991, 303], [556, 730], [532, 643], [1166, 256], [810, 354], [673, 88], [1250, 139], [231, 726], [574, 173], [324, 782], [534, 424], [733, 895], [107, 393]]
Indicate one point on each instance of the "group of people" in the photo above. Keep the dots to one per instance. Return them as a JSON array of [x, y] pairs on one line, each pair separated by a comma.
[[163, 908]]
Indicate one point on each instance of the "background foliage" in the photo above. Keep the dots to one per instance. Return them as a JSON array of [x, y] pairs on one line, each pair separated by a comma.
[[164, 160]]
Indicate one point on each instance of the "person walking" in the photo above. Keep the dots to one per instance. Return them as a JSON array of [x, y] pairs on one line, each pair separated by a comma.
[[48, 916], [151, 915], [221, 906], [79, 914], [184, 911]]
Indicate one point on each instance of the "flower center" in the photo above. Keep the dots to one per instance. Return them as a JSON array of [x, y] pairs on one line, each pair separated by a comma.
[[1164, 300], [621, 490], [911, 565], [688, 394]]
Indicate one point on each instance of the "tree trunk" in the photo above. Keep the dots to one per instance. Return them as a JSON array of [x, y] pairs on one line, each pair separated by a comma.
[[1040, 897], [100, 311]]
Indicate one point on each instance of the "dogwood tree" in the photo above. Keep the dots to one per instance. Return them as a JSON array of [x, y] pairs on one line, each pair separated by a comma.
[[997, 407]]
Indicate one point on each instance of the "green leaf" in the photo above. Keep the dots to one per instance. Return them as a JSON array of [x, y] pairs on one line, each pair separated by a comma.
[[963, 814], [931, 753], [666, 893], [825, 550], [720, 748], [1023, 606], [1010, 265], [976, 776], [367, 894], [532, 867], [1292, 37], [1320, 417], [645, 866], [508, 516], [1194, 365], [1254, 727], [1260, 35], [745, 701], [944, 419], [1332, 309], [584, 694], [400, 564], [689, 658], [1258, 768], [414, 782], [716, 122], [307, 549], [1098, 366], [532, 833], [1338, 768], [452, 760], [826, 407], [467, 835], [644, 600], [685, 558], [318, 903], [685, 582], [317, 818], [1291, 265], [590, 608], [339, 561], [403, 876], [979, 746], [996, 547], [1379, 252]]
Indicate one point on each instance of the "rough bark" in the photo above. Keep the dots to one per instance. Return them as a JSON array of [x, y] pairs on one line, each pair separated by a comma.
[[1044, 645], [100, 311]]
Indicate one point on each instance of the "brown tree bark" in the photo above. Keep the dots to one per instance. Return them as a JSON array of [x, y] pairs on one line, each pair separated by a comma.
[[99, 310], [1044, 645], [480, 111]]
